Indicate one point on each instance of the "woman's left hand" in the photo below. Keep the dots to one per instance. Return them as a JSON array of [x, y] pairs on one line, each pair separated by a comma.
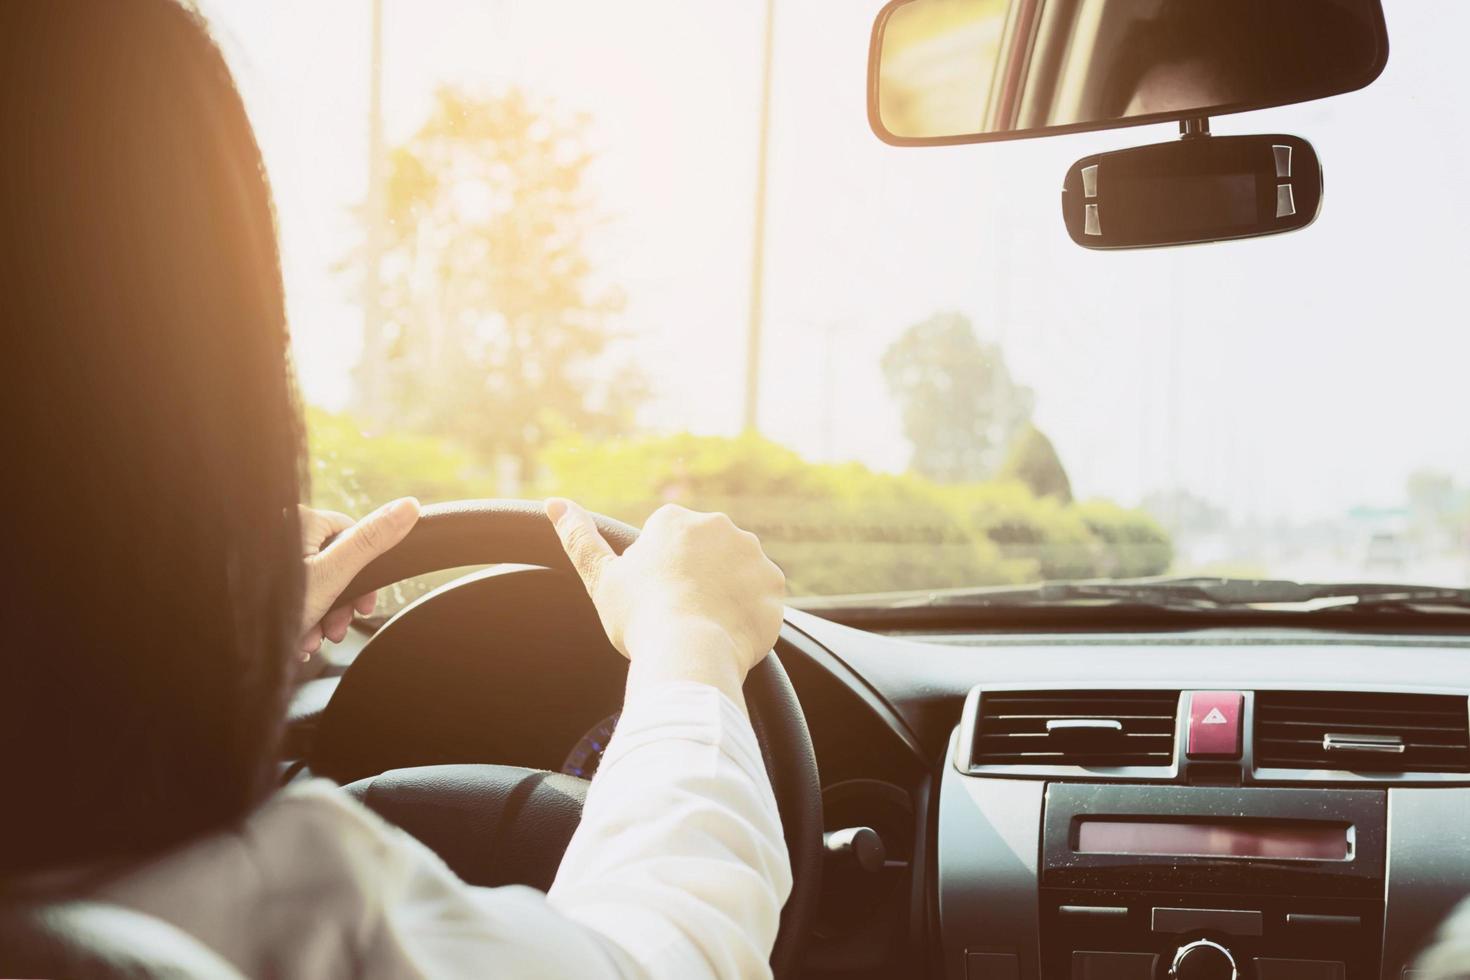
[[335, 548]]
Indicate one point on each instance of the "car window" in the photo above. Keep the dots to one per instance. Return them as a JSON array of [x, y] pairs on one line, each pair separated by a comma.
[[949, 392]]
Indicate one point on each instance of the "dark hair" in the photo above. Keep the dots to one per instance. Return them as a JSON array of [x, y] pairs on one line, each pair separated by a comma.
[[150, 438]]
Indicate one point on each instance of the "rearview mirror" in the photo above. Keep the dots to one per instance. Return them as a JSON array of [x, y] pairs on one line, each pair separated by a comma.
[[1197, 189], [969, 71]]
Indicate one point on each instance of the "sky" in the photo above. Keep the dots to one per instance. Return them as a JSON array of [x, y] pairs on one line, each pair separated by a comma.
[[1296, 376]]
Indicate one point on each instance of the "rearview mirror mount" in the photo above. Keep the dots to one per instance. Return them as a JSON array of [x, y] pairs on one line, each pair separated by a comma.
[[1199, 188]]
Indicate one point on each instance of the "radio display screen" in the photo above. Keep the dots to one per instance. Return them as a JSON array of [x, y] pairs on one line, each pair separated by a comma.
[[1291, 840]]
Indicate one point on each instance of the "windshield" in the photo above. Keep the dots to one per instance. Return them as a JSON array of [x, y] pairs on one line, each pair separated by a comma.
[[550, 279]]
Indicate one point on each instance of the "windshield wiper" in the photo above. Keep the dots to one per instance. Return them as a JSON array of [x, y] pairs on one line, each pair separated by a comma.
[[1173, 594], [1215, 593]]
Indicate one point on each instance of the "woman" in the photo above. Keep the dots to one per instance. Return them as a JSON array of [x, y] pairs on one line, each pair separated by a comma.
[[155, 579]]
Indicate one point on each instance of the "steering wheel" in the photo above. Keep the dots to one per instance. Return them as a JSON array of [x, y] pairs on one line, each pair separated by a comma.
[[496, 824]]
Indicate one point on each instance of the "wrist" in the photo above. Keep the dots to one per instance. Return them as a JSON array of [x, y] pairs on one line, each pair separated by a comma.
[[686, 649], [658, 636]]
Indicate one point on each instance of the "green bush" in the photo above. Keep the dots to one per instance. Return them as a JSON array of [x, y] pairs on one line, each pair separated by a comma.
[[1033, 460], [832, 528], [1136, 545], [353, 471], [1043, 532]]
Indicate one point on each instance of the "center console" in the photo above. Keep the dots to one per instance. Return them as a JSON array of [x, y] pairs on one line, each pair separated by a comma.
[[1211, 882], [1186, 859]]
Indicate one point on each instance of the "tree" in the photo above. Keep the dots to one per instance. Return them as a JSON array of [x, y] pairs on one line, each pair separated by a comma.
[[1033, 460], [1437, 508], [493, 315], [1432, 494], [961, 408]]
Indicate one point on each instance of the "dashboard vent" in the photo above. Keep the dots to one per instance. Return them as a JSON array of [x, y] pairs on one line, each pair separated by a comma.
[[1361, 732], [1076, 728]]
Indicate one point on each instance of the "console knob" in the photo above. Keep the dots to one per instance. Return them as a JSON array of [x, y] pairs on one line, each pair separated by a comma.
[[1203, 960]]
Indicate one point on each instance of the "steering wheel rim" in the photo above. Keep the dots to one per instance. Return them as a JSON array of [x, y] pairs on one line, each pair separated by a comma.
[[473, 532]]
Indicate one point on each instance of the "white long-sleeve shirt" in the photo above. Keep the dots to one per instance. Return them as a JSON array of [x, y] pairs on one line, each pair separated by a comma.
[[678, 870]]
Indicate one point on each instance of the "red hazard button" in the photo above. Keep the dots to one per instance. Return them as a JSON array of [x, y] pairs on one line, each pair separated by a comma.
[[1214, 725]]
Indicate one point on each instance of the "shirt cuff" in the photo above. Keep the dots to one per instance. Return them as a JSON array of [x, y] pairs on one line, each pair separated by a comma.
[[691, 711]]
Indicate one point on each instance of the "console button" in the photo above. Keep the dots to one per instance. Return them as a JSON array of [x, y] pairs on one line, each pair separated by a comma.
[[1229, 921], [1312, 920], [1274, 969], [1113, 966], [1093, 913], [992, 966], [1214, 725]]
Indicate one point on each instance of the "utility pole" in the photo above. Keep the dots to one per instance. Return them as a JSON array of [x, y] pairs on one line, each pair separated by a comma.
[[758, 243], [371, 366]]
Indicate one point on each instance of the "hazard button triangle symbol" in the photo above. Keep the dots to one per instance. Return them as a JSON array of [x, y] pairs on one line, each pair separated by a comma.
[[1214, 724]]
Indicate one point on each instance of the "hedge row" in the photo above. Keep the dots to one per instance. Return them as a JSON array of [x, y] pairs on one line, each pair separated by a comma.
[[834, 528], [844, 528]]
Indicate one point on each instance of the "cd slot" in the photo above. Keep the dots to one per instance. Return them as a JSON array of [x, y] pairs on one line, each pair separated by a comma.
[[1237, 839]]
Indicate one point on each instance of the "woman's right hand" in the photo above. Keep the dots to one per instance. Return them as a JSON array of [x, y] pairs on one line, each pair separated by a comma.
[[694, 598]]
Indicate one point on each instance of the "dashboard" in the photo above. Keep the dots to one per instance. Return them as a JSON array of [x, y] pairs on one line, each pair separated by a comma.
[[1231, 804], [1237, 803]]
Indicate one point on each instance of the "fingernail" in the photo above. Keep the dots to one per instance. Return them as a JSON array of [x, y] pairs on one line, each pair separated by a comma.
[[556, 507]]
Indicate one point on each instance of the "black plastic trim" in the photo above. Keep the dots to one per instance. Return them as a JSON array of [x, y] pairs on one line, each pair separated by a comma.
[[838, 668], [1428, 869]]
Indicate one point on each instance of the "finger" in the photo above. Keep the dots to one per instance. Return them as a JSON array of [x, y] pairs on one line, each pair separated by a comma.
[[583, 543], [317, 526], [334, 522], [311, 641], [365, 540], [365, 604], [336, 623]]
